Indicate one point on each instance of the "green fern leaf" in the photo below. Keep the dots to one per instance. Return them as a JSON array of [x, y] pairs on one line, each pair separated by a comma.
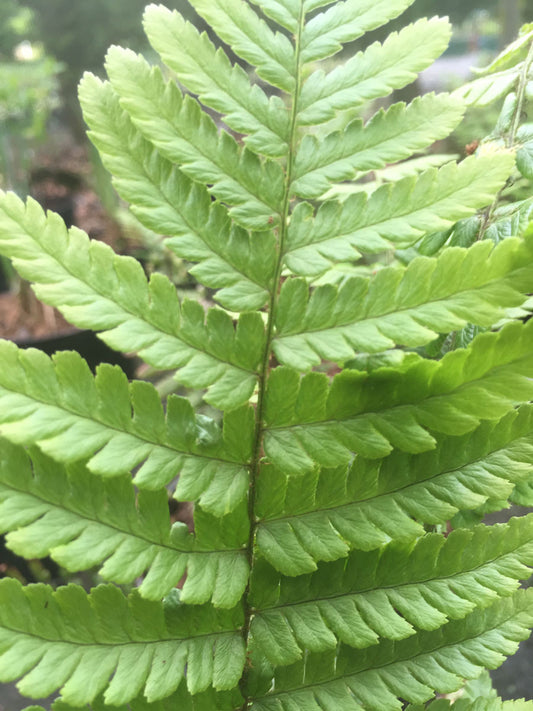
[[387, 593], [401, 307], [411, 669], [57, 404], [207, 72], [238, 25], [345, 22], [373, 73], [285, 12], [320, 516], [309, 423], [83, 521], [95, 288], [163, 198], [74, 641], [398, 214], [389, 136], [185, 135]]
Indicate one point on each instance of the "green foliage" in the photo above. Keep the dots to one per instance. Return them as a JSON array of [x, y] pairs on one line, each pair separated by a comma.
[[363, 417]]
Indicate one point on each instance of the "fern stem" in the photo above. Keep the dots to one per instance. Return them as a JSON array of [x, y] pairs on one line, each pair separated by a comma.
[[511, 138], [265, 366]]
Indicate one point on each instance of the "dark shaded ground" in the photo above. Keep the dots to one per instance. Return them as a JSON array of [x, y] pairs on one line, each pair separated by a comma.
[[10, 699]]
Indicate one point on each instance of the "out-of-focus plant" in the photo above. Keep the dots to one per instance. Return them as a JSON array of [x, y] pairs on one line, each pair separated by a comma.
[[15, 21], [79, 34], [28, 94]]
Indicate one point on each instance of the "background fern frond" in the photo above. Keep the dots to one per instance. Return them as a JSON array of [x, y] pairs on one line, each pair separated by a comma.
[[83, 521], [74, 641]]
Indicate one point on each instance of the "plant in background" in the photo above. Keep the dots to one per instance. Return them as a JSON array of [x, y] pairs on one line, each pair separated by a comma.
[[316, 575]]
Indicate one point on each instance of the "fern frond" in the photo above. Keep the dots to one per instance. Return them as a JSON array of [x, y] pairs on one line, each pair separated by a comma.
[[391, 592], [324, 514], [411, 669], [373, 73], [219, 84], [388, 137], [325, 33], [165, 200], [187, 136], [95, 288], [236, 23], [57, 404], [75, 642], [309, 423], [487, 89], [407, 307], [83, 521], [501, 75], [396, 214]]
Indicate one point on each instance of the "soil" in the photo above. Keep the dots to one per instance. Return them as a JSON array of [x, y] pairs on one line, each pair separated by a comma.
[[22, 324]]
